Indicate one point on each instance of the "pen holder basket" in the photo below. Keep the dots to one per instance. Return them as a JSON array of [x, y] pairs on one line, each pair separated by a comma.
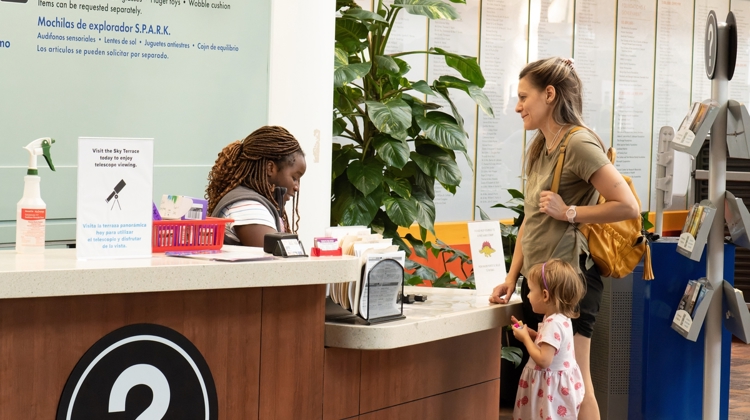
[[188, 235]]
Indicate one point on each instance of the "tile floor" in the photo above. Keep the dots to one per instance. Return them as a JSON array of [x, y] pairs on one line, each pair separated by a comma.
[[739, 385]]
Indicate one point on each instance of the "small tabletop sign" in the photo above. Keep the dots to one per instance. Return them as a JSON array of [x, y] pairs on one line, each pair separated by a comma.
[[114, 206], [487, 255]]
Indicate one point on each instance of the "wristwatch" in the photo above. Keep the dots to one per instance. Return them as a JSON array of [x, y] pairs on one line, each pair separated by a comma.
[[571, 213]]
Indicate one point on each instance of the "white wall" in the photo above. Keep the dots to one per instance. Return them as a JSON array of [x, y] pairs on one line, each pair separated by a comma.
[[301, 98]]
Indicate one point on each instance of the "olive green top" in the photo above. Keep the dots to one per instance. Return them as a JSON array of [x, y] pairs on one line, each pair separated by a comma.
[[545, 237]]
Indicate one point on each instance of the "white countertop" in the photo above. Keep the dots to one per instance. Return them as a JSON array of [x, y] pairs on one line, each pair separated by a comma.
[[446, 313], [57, 272]]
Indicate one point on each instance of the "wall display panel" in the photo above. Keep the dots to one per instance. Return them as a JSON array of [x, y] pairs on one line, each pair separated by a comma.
[[459, 36], [550, 28], [500, 140], [410, 34], [701, 89], [634, 83], [739, 89], [594, 53], [167, 70], [674, 40]]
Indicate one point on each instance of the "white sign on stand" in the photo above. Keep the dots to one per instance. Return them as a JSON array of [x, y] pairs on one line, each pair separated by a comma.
[[486, 243], [114, 206]]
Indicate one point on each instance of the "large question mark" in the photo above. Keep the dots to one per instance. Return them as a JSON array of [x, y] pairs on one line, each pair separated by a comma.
[[141, 375]]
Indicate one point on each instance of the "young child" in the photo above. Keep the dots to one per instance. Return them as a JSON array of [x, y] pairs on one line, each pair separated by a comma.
[[551, 385], [251, 182]]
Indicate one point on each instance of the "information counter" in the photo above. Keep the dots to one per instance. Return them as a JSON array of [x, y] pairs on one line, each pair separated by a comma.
[[258, 325], [441, 362]]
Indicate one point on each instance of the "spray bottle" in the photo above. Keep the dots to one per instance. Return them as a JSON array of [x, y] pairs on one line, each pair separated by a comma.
[[31, 212]]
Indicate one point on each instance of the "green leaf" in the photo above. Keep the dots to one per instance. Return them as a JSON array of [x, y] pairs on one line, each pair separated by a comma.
[[475, 92], [439, 164], [422, 87], [350, 73], [426, 273], [444, 280], [441, 91], [339, 125], [362, 14], [450, 188], [403, 66], [644, 220], [387, 63], [418, 246], [340, 58], [392, 151], [400, 186], [425, 211], [517, 209], [443, 130], [424, 182], [349, 34], [366, 177], [515, 193], [483, 215], [407, 171], [358, 210], [466, 66], [458, 1], [433, 9], [340, 159], [402, 211], [512, 354], [397, 240], [413, 280], [411, 265], [392, 117], [422, 233]]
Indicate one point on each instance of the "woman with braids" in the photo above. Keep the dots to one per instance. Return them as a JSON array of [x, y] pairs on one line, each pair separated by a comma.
[[251, 182], [550, 101]]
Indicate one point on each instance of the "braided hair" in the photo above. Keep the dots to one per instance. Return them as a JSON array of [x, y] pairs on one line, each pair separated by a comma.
[[244, 163]]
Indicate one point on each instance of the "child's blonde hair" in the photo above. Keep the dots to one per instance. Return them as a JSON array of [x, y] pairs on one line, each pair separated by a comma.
[[565, 286]]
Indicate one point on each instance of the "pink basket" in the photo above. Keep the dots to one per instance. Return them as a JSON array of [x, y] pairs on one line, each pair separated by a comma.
[[188, 235]]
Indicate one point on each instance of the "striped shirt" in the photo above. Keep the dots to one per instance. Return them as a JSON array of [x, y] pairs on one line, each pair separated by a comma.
[[246, 212]]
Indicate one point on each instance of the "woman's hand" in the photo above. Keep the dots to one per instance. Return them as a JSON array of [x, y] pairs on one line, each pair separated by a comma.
[[503, 291], [552, 205]]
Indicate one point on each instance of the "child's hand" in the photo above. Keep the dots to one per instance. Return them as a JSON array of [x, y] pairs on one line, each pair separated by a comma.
[[519, 325], [519, 330]]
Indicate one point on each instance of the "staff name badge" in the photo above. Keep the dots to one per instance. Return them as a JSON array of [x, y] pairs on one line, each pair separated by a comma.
[[487, 255], [114, 206]]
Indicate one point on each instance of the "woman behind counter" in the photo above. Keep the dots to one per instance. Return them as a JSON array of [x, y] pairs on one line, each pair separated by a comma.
[[251, 182]]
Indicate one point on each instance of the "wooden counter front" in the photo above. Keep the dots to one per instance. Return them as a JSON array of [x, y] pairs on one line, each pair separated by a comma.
[[264, 346]]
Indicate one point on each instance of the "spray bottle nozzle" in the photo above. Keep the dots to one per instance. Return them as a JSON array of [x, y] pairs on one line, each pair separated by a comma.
[[45, 152], [36, 148]]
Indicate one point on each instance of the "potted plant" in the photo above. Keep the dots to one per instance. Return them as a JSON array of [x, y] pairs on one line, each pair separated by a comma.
[[395, 141]]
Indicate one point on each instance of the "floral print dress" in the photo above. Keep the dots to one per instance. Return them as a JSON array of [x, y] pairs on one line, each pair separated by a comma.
[[556, 392]]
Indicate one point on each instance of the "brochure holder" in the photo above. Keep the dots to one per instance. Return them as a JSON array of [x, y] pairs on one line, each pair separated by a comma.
[[676, 165], [738, 220], [381, 297], [691, 311], [736, 314], [695, 232], [695, 127], [738, 122]]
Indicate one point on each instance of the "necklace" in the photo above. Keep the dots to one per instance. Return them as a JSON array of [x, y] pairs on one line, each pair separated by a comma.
[[554, 139]]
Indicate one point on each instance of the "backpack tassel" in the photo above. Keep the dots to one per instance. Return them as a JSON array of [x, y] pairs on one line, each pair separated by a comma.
[[648, 272]]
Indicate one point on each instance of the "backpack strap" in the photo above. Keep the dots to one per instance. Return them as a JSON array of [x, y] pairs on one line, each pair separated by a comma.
[[561, 158]]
